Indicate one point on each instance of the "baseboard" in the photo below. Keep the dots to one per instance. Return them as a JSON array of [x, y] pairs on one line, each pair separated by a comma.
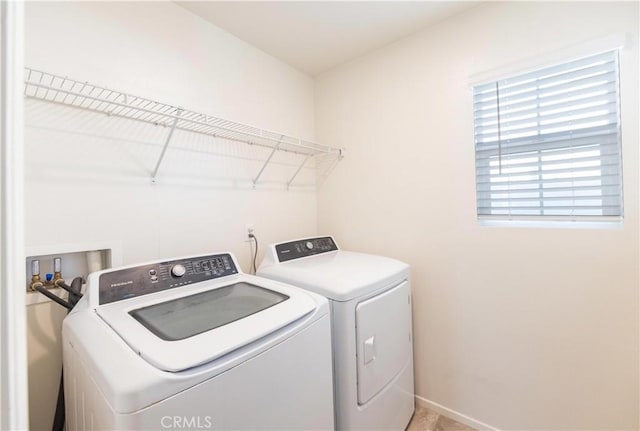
[[457, 416]]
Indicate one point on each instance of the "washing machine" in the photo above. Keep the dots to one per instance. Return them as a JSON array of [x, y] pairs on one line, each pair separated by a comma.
[[194, 343], [370, 300]]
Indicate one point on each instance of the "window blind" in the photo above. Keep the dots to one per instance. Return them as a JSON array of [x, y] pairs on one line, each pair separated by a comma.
[[548, 142]]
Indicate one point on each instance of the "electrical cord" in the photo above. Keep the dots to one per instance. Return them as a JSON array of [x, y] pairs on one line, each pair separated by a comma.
[[255, 253]]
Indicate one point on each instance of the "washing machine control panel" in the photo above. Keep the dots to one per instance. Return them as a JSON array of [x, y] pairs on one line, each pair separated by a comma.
[[154, 277], [304, 247]]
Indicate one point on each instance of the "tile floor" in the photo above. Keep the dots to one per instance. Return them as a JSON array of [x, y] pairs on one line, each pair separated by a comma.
[[427, 420]]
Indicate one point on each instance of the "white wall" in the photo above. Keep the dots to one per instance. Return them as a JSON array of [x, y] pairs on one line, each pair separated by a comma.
[[88, 176], [519, 328]]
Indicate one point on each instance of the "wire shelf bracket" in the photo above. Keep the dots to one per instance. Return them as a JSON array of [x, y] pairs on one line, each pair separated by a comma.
[[83, 95], [266, 162], [295, 174], [166, 145]]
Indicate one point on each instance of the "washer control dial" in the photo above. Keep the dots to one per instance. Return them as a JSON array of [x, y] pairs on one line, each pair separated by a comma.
[[309, 245], [178, 270]]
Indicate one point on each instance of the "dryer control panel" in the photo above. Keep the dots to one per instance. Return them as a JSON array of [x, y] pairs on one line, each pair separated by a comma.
[[141, 280], [304, 247]]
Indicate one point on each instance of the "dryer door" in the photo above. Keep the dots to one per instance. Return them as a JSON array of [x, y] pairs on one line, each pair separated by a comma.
[[383, 336]]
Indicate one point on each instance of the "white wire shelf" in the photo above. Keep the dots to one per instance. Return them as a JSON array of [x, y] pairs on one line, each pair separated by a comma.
[[83, 95]]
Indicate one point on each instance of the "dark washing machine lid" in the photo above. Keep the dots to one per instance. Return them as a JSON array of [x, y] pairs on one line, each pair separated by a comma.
[[191, 315], [182, 328]]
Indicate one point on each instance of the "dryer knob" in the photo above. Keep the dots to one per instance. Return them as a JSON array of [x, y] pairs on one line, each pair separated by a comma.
[[178, 270], [309, 245]]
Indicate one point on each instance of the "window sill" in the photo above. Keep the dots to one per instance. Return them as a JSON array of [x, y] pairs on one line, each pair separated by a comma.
[[553, 224]]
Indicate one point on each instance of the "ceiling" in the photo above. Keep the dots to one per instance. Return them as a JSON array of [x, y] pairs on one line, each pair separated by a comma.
[[314, 36]]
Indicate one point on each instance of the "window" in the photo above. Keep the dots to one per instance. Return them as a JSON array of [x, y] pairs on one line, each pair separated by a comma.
[[548, 143]]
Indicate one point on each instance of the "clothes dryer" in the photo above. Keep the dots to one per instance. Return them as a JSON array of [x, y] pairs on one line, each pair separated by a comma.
[[193, 343], [370, 300]]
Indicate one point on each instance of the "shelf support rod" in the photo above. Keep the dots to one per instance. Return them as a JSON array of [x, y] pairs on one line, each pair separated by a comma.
[[166, 144], [298, 170], [266, 162]]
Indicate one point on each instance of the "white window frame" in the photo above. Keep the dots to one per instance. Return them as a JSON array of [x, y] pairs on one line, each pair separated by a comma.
[[484, 200]]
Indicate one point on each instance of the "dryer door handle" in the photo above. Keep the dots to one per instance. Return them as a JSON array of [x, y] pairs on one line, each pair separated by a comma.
[[369, 349]]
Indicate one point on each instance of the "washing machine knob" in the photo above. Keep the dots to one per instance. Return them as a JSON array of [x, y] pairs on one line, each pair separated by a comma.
[[178, 270], [309, 245]]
